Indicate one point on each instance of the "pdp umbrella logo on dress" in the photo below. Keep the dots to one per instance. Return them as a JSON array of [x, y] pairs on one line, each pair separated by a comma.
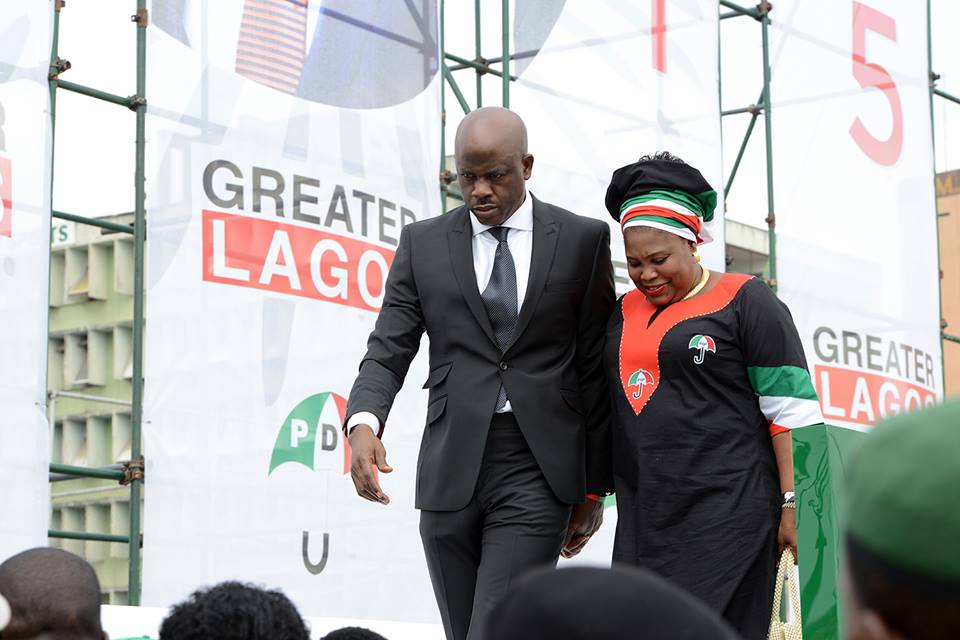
[[703, 344], [640, 378]]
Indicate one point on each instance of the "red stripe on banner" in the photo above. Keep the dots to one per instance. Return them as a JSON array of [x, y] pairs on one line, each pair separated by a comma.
[[292, 22], [658, 31], [279, 8], [247, 37], [864, 398], [279, 27], [284, 258], [275, 36], [268, 68], [254, 50], [6, 197], [276, 62], [251, 55]]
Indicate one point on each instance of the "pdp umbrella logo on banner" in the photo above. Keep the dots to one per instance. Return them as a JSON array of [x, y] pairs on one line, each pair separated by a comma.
[[703, 344], [311, 435]]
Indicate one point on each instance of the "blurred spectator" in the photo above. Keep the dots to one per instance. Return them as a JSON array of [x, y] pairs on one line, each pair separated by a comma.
[[4, 613], [234, 611], [588, 603], [353, 633], [52, 595], [902, 530]]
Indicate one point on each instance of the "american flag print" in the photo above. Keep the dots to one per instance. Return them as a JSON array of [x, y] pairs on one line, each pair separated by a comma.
[[272, 42]]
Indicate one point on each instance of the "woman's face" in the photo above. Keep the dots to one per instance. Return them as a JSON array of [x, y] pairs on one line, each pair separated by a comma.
[[661, 264]]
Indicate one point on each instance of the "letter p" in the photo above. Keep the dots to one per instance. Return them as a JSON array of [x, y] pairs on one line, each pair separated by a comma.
[[299, 429]]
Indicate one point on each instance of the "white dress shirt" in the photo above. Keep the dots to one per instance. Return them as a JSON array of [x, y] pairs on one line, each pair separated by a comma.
[[520, 241]]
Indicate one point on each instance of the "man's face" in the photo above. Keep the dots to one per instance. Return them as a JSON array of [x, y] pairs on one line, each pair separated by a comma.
[[491, 178]]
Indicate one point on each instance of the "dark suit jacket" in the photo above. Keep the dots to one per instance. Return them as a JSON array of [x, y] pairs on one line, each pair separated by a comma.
[[552, 371]]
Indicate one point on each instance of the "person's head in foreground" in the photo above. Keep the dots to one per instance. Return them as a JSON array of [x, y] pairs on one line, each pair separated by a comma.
[[51, 595], [664, 207], [353, 633], [589, 603], [902, 569], [234, 611]]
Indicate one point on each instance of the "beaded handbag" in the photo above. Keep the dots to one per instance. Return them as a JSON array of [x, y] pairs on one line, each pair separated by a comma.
[[780, 630]]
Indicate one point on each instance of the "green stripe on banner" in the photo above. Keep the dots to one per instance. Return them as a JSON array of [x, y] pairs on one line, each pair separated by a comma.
[[678, 197], [788, 381], [670, 222]]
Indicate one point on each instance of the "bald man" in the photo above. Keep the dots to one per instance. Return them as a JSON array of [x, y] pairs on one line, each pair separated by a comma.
[[514, 294], [52, 595]]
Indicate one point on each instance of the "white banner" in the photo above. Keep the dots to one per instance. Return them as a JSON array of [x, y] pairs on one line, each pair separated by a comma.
[[288, 144], [856, 217], [25, 148], [603, 83], [143, 623]]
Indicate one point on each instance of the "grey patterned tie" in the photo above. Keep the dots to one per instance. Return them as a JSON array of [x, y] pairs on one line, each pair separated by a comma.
[[500, 297]]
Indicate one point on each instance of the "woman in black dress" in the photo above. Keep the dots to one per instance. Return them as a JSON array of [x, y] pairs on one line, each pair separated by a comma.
[[707, 376]]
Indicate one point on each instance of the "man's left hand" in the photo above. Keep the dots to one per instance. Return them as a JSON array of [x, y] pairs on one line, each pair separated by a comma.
[[787, 535], [585, 519]]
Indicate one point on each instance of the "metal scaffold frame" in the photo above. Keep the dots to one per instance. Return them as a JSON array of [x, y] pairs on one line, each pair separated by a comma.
[[131, 473]]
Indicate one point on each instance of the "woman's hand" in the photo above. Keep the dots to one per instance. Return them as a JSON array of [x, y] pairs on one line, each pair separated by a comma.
[[787, 536], [585, 519]]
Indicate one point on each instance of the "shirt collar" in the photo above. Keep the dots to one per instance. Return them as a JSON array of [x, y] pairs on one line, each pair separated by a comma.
[[522, 218]]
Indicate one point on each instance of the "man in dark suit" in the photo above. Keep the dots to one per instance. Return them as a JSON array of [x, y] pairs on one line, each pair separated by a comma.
[[514, 294]]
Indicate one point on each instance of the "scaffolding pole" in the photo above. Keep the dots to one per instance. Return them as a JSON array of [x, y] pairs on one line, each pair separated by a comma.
[[505, 42], [764, 12], [477, 51], [139, 244], [754, 111], [132, 472], [944, 337]]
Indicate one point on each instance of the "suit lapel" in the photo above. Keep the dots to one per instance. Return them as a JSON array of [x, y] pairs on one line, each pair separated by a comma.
[[541, 259], [460, 240]]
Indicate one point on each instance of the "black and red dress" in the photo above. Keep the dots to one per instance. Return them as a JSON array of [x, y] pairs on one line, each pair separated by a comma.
[[701, 386]]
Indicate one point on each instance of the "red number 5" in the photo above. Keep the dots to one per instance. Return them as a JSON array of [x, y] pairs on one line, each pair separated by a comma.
[[865, 18]]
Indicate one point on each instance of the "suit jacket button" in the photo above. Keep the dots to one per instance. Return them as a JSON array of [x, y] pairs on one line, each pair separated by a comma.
[[503, 366]]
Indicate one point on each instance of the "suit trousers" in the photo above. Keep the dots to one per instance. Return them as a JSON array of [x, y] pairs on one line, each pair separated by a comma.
[[512, 524]]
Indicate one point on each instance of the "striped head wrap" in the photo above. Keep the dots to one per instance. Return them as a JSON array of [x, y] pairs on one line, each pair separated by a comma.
[[663, 194]]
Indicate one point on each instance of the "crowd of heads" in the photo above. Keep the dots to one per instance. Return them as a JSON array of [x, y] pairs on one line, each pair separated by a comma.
[[902, 572], [49, 594]]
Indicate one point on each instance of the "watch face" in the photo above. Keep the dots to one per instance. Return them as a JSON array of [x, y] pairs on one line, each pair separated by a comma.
[[789, 496]]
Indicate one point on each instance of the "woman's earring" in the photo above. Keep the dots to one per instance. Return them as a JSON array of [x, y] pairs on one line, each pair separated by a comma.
[[696, 256]]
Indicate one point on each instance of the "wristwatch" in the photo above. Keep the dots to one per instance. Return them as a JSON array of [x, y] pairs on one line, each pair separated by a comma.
[[789, 500]]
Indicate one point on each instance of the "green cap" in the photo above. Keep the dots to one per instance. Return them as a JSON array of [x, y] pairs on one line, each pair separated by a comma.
[[902, 492]]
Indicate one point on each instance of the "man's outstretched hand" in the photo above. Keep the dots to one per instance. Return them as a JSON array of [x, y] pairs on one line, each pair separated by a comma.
[[585, 519], [367, 456]]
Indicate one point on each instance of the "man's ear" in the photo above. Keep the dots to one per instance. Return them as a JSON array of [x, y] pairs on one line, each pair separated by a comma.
[[527, 161]]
